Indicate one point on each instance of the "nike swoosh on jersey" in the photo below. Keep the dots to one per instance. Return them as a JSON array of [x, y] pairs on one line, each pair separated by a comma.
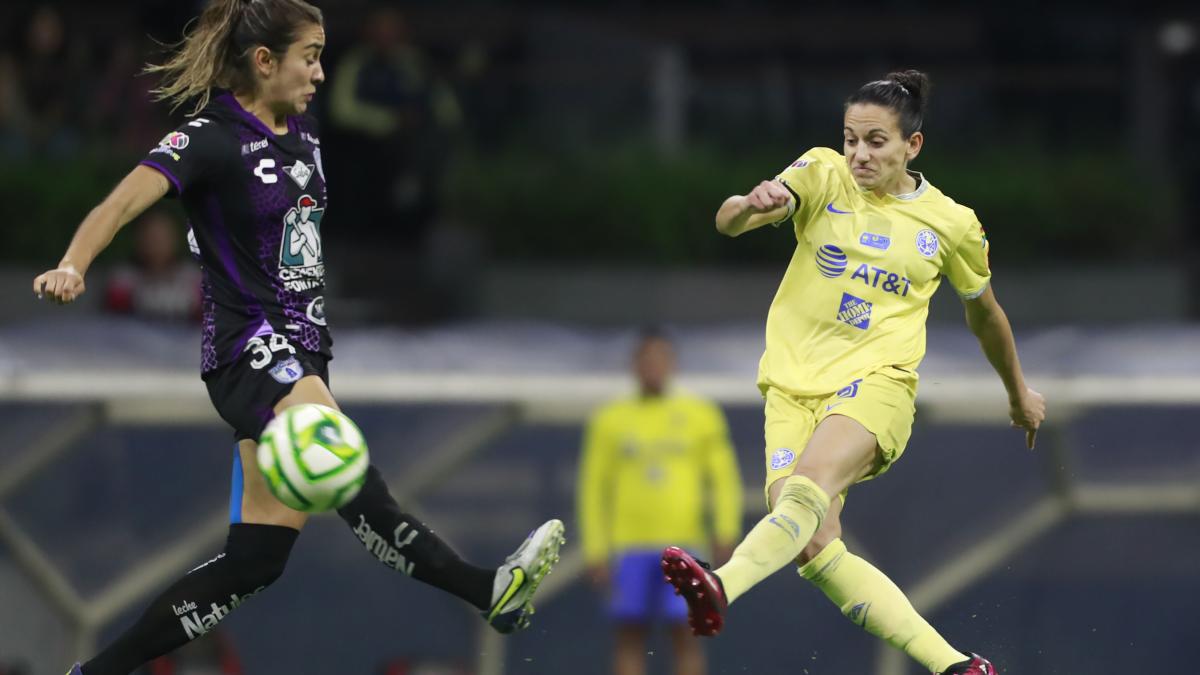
[[832, 209]]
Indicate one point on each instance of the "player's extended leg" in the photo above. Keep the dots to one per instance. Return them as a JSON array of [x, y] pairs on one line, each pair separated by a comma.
[[840, 452], [261, 535], [402, 542], [868, 598]]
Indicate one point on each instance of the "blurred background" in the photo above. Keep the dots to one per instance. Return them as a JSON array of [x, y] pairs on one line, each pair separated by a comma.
[[518, 187]]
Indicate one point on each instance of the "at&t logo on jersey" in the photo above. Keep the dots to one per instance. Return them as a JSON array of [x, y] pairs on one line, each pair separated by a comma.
[[301, 261], [877, 277], [854, 311], [831, 261]]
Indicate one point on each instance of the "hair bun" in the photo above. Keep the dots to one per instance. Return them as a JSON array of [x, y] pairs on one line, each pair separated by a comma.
[[916, 82]]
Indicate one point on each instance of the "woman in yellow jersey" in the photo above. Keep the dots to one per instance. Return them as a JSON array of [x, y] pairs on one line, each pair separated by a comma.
[[844, 336]]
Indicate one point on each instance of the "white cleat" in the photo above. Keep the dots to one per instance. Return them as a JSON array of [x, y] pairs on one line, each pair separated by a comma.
[[518, 578]]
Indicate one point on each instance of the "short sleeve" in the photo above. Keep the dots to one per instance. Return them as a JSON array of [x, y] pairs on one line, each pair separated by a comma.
[[810, 179], [967, 267], [187, 155]]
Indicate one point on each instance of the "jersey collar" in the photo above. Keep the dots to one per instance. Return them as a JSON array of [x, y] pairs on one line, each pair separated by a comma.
[[248, 117], [922, 186]]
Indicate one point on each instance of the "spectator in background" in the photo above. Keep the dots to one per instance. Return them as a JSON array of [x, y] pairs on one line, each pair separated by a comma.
[[15, 124], [159, 283], [120, 109], [650, 463], [391, 105], [50, 69]]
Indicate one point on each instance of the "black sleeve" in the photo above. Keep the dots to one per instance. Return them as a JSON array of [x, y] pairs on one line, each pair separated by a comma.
[[188, 154]]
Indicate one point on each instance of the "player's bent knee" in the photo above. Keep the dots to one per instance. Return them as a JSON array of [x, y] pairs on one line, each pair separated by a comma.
[[259, 552]]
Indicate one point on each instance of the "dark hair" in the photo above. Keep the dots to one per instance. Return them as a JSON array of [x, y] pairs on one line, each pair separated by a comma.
[[652, 333], [213, 52], [905, 93]]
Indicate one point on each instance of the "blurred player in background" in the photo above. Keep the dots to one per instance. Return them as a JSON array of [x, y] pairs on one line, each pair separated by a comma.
[[247, 168], [845, 334], [652, 465]]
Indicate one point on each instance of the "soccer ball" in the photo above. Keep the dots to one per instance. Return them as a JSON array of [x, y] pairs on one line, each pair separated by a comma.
[[313, 457]]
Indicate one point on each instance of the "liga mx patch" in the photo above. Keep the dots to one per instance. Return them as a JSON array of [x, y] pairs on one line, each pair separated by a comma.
[[287, 371], [854, 311], [879, 241], [782, 458]]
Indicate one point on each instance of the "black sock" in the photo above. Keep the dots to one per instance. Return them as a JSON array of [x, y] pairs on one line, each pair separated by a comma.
[[404, 543], [254, 557]]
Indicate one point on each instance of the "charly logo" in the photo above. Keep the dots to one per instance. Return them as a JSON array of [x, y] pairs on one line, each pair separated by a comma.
[[781, 458], [927, 243], [854, 311], [831, 261], [301, 263]]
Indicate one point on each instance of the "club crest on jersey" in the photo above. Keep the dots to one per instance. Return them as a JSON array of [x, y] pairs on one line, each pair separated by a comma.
[[316, 310], [300, 173], [854, 311], [927, 243], [782, 458], [301, 260], [287, 371], [831, 261]]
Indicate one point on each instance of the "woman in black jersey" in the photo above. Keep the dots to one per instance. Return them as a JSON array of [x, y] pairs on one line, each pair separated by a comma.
[[247, 168]]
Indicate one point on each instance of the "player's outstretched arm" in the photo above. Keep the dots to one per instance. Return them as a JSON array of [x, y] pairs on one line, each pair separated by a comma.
[[989, 323], [133, 195], [769, 202]]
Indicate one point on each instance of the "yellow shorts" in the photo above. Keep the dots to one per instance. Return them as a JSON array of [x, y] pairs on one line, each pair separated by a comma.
[[883, 402]]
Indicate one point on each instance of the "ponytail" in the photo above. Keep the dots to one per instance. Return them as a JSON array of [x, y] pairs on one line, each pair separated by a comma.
[[213, 52]]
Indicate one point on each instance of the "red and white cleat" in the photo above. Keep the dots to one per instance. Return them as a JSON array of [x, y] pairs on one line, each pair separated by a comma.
[[701, 589], [976, 665]]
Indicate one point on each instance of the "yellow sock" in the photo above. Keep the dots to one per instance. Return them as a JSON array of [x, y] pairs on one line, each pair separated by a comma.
[[778, 538], [868, 598]]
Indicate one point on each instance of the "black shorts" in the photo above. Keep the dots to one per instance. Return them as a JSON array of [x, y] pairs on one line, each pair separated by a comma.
[[245, 392]]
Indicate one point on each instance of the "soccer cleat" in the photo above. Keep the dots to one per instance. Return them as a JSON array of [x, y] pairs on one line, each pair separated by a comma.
[[976, 665], [701, 589], [518, 578]]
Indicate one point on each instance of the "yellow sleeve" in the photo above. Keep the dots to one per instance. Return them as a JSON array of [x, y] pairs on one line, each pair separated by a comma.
[[967, 267], [811, 179], [592, 507], [725, 479]]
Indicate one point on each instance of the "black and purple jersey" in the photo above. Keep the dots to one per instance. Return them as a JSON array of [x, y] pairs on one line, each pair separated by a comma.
[[255, 201]]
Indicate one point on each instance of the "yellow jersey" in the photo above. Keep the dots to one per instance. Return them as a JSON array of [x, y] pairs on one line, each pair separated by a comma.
[[647, 465], [856, 294]]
